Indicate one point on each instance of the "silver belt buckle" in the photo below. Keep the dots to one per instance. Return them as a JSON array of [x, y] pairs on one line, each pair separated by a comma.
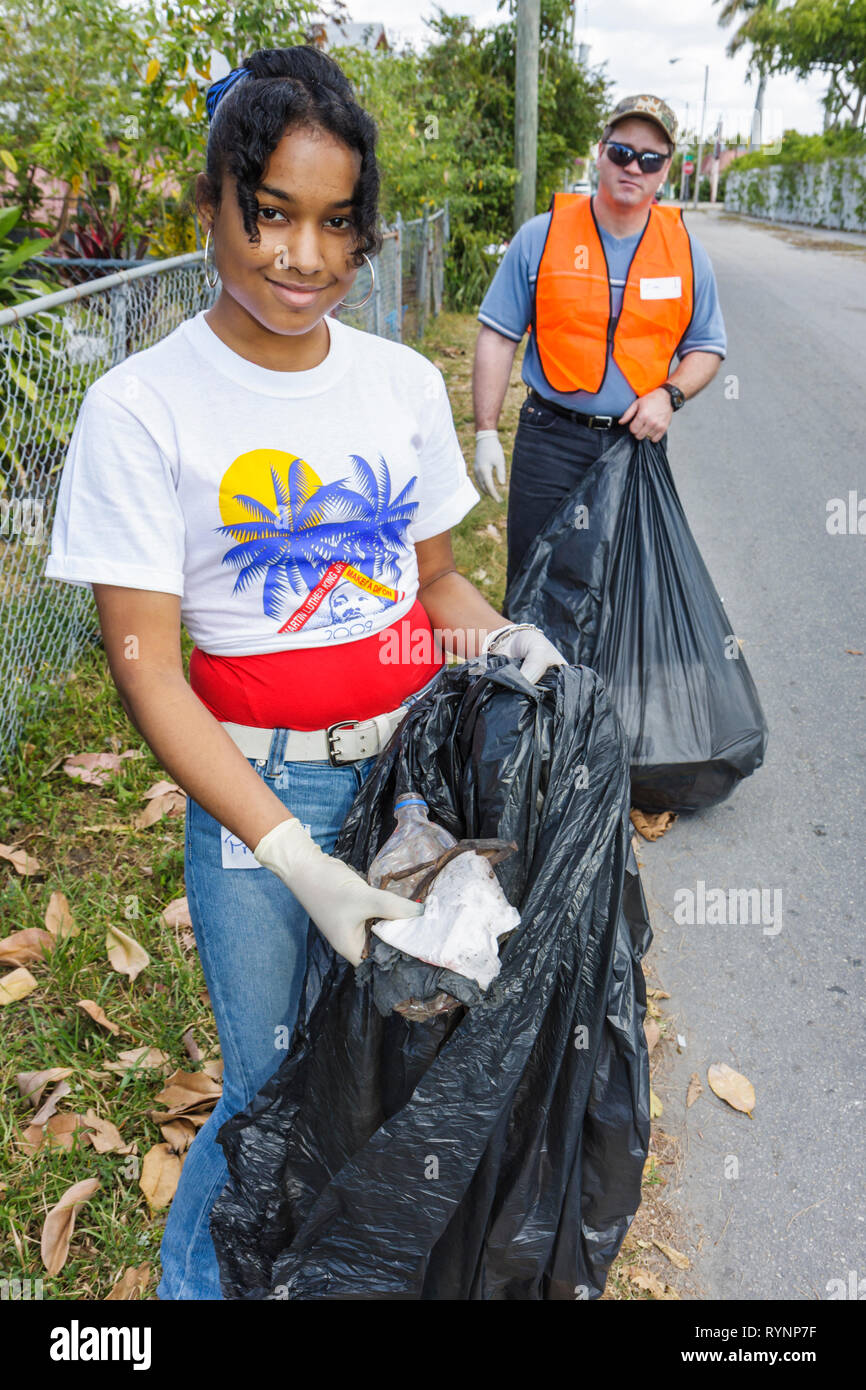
[[333, 759], [596, 422]]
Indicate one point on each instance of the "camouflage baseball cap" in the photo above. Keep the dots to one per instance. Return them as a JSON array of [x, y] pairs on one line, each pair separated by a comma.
[[650, 109]]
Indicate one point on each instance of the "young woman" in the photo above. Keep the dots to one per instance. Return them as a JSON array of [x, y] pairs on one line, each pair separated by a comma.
[[284, 485]]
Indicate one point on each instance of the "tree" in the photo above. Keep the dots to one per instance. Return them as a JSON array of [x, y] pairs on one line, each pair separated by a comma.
[[109, 99], [745, 9], [809, 36]]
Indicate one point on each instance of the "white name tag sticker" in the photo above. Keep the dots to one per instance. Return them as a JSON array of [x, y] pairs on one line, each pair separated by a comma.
[[237, 855], [662, 287]]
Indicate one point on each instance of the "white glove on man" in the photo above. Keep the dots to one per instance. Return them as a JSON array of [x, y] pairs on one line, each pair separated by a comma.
[[524, 640], [338, 899], [489, 457]]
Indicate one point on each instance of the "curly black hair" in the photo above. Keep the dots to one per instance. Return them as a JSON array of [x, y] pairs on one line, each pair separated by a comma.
[[290, 88]]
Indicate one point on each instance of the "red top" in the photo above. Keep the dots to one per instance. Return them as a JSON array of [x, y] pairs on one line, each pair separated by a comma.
[[312, 687]]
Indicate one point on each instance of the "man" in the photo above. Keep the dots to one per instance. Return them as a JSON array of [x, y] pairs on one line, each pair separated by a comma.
[[611, 287]]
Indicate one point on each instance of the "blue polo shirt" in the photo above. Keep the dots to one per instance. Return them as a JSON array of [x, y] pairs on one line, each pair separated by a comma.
[[507, 308]]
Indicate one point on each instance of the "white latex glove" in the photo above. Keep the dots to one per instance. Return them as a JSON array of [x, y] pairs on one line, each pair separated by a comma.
[[338, 899], [524, 640], [489, 457]]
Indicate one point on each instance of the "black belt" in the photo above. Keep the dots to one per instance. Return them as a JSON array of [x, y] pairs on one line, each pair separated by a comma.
[[594, 422]]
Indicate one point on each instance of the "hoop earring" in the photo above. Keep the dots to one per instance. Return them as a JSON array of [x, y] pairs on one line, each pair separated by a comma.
[[372, 287], [211, 284]]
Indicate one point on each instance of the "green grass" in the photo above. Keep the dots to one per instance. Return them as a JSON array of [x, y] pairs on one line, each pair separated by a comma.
[[112, 874]]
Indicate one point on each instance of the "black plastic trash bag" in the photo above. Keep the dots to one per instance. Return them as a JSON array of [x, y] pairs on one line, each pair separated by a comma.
[[616, 580], [495, 1152]]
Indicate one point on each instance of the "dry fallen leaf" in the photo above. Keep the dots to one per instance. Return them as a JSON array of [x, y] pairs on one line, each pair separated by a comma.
[[652, 1008], [124, 953], [30, 1139], [51, 1102], [191, 1047], [105, 1137], [58, 917], [214, 1069], [98, 1015], [60, 1223], [31, 1084], [177, 914], [676, 1257], [652, 824], [178, 1134], [31, 943], [160, 1172], [95, 768], [21, 862], [137, 1058], [653, 1033], [170, 804], [17, 984], [657, 994], [695, 1089], [643, 1279], [187, 1091], [195, 1117], [132, 1284], [59, 1130], [732, 1087], [656, 1107], [160, 789]]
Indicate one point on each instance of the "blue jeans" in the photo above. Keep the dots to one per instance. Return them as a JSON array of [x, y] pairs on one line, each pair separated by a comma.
[[551, 455], [251, 934]]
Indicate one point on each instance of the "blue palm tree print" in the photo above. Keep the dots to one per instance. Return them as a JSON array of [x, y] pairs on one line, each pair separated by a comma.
[[313, 524]]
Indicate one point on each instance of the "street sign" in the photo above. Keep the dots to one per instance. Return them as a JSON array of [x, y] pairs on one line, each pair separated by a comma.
[[688, 166]]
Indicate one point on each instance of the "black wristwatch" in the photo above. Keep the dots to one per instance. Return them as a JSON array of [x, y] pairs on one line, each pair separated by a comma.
[[678, 400]]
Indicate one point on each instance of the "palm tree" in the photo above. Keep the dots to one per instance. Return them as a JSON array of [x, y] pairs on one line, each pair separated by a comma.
[[381, 541], [743, 10]]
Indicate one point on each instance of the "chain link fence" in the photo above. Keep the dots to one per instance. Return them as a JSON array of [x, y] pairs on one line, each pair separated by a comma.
[[51, 350]]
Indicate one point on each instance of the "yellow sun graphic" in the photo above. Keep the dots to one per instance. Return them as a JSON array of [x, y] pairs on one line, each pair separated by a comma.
[[250, 474]]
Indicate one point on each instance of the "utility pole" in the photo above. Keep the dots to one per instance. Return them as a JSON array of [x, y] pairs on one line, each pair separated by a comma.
[[701, 139], [685, 141], [526, 109], [717, 157]]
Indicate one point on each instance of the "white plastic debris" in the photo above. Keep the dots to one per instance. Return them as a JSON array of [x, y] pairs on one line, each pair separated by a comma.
[[465, 912]]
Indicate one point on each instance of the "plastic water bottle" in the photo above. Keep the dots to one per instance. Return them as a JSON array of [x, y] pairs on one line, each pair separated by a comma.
[[415, 841]]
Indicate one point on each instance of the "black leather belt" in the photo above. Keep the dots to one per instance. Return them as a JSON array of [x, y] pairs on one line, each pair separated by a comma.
[[594, 422]]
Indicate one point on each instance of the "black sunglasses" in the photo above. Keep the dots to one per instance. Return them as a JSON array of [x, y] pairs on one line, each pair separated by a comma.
[[650, 162]]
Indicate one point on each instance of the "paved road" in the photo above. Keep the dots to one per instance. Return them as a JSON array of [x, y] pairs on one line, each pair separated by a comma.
[[755, 474]]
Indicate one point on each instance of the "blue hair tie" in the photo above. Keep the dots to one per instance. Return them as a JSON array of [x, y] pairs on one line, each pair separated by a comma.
[[219, 89]]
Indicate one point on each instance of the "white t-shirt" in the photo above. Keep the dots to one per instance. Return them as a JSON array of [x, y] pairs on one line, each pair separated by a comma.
[[282, 507]]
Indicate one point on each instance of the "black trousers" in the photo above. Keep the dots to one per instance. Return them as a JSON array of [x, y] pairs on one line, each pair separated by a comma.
[[550, 457]]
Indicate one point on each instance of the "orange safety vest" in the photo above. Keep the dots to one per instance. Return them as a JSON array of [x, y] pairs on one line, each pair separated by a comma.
[[571, 312]]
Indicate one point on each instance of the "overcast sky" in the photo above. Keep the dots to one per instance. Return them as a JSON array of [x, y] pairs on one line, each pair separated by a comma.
[[636, 39]]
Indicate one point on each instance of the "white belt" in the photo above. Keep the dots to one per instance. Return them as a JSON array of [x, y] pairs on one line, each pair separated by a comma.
[[343, 742]]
